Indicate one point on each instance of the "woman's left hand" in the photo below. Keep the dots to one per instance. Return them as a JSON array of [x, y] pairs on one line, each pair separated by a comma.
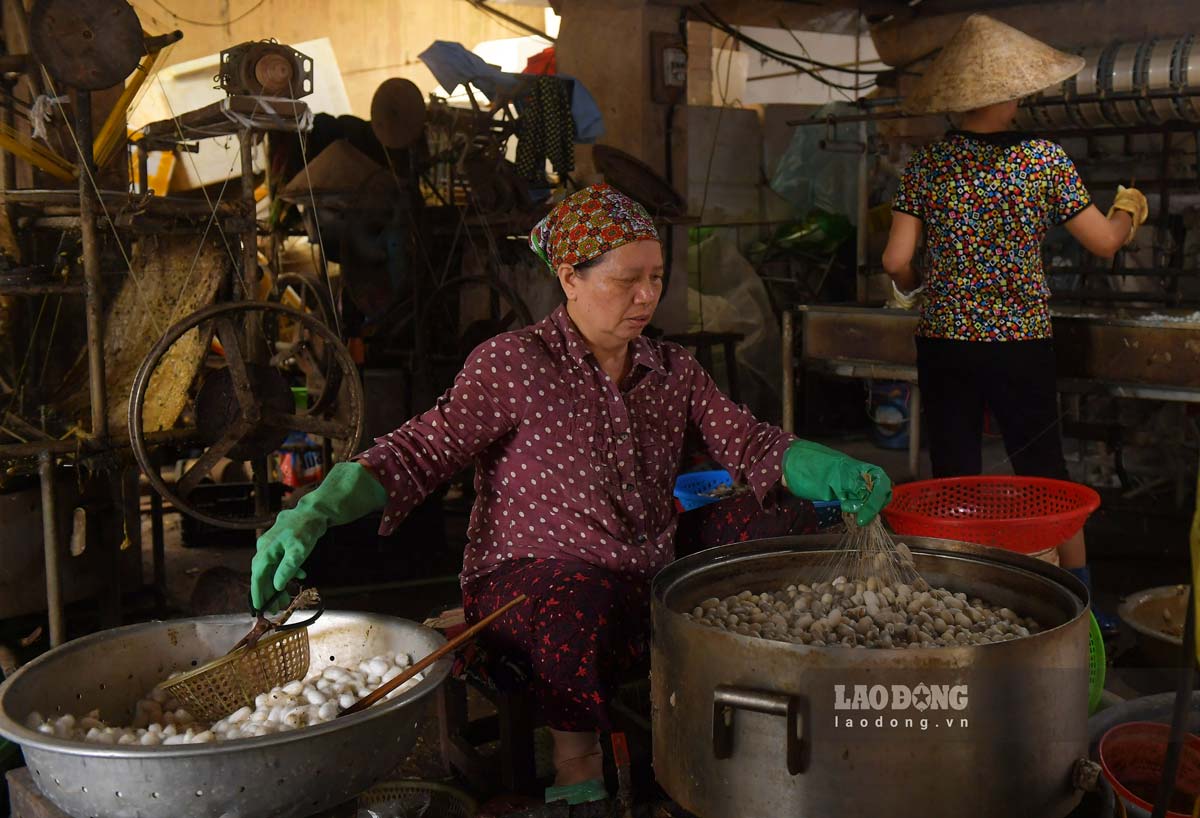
[[815, 472]]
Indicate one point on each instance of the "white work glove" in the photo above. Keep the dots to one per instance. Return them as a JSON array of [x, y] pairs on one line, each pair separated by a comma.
[[901, 300]]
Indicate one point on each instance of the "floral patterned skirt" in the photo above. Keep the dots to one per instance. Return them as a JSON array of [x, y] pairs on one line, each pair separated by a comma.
[[584, 626]]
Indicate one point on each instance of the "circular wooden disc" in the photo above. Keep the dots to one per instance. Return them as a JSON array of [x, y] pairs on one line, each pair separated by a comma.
[[397, 113], [87, 44], [638, 181]]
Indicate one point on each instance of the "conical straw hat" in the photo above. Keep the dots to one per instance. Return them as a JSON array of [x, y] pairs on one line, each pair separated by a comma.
[[987, 62]]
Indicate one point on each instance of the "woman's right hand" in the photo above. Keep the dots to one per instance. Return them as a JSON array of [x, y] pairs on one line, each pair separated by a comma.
[[281, 552], [1131, 200], [348, 492]]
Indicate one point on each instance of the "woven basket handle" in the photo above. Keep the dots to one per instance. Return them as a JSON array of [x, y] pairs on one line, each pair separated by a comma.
[[263, 626]]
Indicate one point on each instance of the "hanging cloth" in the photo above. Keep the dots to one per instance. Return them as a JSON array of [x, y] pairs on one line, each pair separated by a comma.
[[546, 131]]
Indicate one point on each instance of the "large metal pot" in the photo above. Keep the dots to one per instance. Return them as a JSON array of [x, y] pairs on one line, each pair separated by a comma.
[[286, 775], [749, 728]]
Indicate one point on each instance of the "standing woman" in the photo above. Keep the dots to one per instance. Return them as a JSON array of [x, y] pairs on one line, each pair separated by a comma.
[[983, 197]]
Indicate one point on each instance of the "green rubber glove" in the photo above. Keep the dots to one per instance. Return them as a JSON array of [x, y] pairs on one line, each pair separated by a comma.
[[348, 492], [816, 472]]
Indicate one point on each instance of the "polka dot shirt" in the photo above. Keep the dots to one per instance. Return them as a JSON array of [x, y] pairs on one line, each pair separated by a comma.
[[569, 464], [987, 201]]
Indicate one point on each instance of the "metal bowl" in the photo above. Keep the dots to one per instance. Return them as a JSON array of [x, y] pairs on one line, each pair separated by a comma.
[[281, 776], [1144, 613]]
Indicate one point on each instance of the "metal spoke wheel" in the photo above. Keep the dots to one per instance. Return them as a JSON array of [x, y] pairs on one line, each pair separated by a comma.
[[244, 409], [446, 335], [442, 317]]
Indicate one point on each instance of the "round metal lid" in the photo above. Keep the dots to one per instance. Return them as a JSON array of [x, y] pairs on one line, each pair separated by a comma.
[[87, 44], [397, 113], [638, 181]]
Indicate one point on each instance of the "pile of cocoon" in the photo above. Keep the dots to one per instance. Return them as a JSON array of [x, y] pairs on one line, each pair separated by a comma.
[[160, 720]]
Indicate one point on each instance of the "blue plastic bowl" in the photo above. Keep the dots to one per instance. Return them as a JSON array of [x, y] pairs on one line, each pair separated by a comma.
[[691, 491], [691, 488]]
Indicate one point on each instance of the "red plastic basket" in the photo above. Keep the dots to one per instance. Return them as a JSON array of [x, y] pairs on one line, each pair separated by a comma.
[[1023, 514]]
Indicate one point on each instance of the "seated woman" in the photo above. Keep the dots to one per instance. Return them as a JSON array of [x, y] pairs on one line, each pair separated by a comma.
[[576, 427]]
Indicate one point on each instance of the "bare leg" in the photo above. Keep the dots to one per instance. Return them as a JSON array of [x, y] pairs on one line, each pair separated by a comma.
[[1073, 552], [577, 757]]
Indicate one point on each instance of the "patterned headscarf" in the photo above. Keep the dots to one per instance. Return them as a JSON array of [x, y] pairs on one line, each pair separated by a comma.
[[588, 224]]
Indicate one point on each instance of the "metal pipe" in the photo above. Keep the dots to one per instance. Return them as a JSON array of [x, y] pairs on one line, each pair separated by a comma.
[[159, 547], [143, 157], [1124, 96], [20, 24], [250, 234], [50, 288], [1162, 233], [259, 466], [8, 165], [54, 607], [87, 446], [123, 496], [841, 146], [91, 266], [789, 371], [914, 432], [862, 277]]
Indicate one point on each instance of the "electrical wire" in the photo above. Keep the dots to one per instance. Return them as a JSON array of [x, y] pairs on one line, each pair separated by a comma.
[[312, 198], [86, 170], [233, 258], [807, 55], [221, 24], [508, 22], [799, 63], [758, 45]]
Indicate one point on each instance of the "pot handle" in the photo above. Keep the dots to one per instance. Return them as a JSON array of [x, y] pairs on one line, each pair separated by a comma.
[[727, 699]]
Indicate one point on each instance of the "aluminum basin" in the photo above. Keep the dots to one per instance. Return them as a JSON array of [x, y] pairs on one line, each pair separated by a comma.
[[288, 775]]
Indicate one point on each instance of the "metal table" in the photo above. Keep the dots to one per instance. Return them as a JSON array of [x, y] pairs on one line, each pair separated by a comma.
[[1127, 353]]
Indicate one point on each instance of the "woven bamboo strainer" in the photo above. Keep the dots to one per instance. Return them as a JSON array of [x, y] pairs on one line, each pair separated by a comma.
[[255, 665]]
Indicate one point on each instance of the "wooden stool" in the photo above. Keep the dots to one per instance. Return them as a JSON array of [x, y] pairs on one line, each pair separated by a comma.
[[513, 725], [461, 737], [515, 770], [703, 343]]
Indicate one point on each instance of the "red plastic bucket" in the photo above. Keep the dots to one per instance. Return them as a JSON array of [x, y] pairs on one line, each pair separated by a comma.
[[1132, 757]]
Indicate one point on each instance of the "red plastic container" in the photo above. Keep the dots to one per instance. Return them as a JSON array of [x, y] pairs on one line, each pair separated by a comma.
[[1023, 514], [1132, 757]]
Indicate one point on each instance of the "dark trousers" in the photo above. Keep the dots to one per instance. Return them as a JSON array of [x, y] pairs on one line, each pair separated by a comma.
[[1015, 380]]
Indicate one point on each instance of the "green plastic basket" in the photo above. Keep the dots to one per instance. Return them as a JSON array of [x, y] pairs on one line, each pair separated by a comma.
[[1096, 665]]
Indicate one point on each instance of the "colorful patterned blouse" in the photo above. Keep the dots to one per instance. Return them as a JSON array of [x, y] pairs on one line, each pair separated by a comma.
[[987, 201]]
